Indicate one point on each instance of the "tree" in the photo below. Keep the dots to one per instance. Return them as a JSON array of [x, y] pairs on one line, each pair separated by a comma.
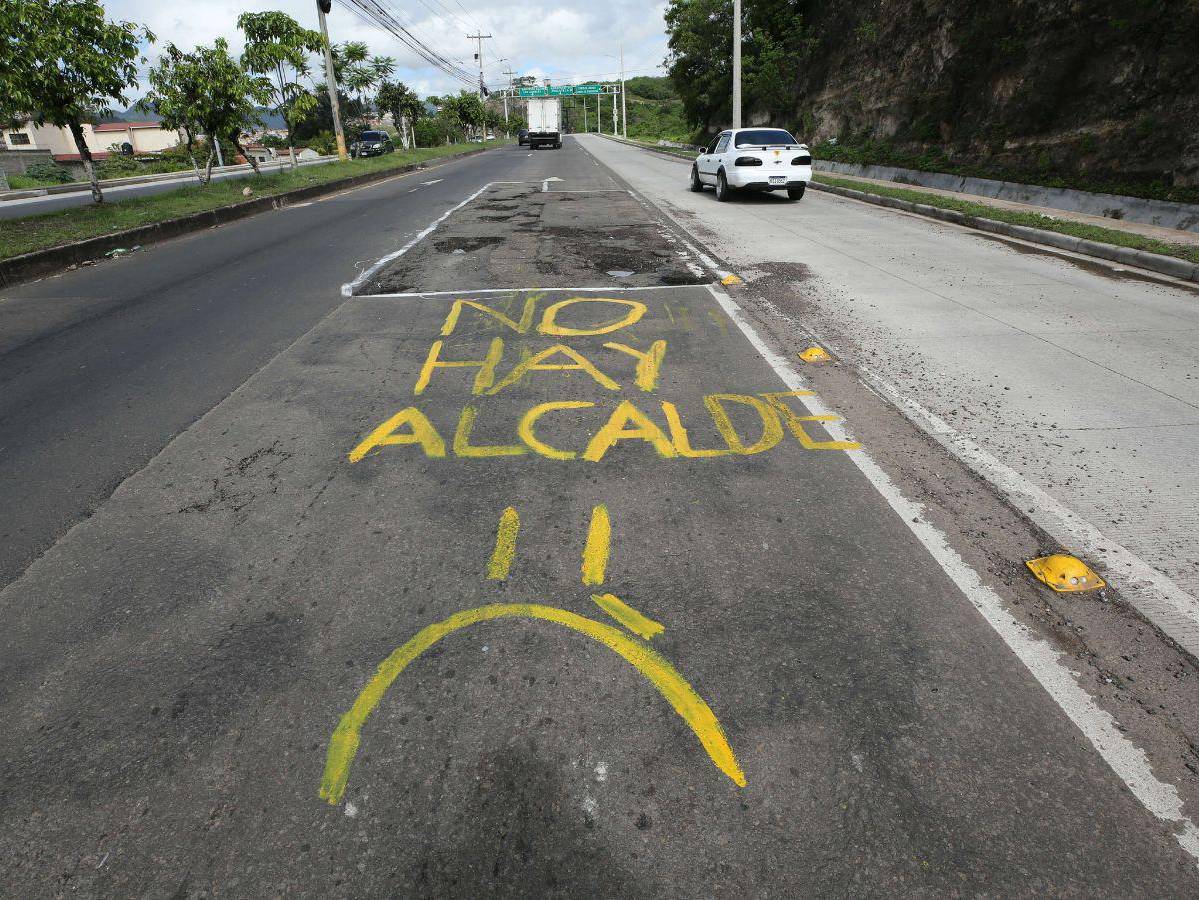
[[61, 61], [357, 71], [277, 45], [466, 109], [206, 92], [405, 108]]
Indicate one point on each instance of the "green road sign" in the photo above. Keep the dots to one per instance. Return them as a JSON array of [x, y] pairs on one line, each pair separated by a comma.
[[561, 90]]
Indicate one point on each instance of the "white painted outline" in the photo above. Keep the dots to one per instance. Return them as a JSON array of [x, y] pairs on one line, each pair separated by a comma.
[[525, 290], [347, 290], [1128, 761]]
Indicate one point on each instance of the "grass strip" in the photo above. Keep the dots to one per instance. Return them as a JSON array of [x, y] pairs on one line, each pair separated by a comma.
[[1031, 220], [40, 232]]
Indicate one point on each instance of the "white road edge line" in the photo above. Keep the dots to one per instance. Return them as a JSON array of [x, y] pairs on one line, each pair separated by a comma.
[[347, 290], [1128, 761], [1154, 594]]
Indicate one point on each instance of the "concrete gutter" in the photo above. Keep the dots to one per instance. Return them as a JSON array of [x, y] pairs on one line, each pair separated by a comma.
[[1154, 262], [52, 260], [183, 175]]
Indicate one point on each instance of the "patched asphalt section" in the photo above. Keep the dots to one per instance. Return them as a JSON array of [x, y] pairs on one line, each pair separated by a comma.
[[174, 668], [521, 236]]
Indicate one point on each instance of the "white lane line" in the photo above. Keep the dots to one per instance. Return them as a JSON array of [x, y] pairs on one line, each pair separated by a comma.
[[434, 181], [347, 290], [1128, 761], [465, 291]]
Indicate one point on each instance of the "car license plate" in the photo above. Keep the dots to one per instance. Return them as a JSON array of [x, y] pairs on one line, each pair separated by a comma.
[[778, 179]]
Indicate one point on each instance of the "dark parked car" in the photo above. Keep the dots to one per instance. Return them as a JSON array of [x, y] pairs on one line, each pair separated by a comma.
[[522, 137], [372, 143]]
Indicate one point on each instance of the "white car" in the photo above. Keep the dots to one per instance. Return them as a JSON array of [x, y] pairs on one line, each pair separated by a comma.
[[754, 159]]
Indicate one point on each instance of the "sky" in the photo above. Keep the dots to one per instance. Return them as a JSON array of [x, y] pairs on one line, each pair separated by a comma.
[[567, 40]]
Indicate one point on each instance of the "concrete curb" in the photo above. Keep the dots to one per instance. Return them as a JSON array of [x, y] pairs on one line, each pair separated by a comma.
[[52, 260], [1154, 262]]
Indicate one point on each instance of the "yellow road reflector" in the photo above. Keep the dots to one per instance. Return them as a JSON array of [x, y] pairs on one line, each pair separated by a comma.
[[815, 354], [1065, 573], [730, 279]]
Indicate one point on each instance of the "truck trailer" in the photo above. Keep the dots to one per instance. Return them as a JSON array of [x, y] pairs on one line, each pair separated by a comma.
[[545, 122]]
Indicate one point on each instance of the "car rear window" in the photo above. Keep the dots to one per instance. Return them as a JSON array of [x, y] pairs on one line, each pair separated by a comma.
[[764, 137]]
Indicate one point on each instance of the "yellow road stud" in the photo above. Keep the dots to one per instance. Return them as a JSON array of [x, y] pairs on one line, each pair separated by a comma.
[[1065, 573], [731, 279], [815, 354]]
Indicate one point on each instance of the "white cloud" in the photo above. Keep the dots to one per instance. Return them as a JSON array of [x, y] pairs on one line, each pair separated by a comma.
[[571, 40]]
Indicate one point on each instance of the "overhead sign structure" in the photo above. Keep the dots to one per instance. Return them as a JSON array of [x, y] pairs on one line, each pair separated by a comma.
[[561, 90]]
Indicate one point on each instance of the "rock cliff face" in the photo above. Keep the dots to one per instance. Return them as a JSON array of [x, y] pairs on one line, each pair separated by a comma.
[[1101, 86]]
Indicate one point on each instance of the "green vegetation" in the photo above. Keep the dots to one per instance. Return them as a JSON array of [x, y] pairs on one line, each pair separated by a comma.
[[91, 63], [1031, 220], [868, 152], [54, 229], [656, 110]]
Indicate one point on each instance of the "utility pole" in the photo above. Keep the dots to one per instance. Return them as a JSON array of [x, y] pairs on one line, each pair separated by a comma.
[[479, 57], [736, 63], [322, 7], [624, 107], [614, 132]]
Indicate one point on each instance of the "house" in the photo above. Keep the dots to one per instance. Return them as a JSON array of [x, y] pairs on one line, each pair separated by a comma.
[[143, 137], [259, 153]]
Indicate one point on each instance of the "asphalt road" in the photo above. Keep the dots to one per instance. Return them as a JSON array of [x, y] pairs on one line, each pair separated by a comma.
[[526, 571], [36, 206]]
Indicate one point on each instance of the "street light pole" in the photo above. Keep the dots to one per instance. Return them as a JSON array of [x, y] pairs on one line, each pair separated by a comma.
[[624, 107], [511, 81], [736, 63], [322, 7]]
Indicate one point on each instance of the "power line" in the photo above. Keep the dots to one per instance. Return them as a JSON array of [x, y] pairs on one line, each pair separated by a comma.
[[380, 16]]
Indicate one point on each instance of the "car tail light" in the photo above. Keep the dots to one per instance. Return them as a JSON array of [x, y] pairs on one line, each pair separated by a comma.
[[801, 161], [748, 161]]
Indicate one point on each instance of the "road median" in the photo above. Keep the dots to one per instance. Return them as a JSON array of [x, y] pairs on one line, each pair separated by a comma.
[[65, 239]]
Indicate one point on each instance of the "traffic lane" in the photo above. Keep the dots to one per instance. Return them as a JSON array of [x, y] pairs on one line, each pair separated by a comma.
[[254, 575], [104, 365], [1056, 368], [36, 206]]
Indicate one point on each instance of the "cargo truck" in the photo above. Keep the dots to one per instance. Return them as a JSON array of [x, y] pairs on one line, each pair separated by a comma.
[[545, 122]]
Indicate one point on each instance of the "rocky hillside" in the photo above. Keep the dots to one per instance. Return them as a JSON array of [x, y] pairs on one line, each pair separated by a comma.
[[1109, 88]]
